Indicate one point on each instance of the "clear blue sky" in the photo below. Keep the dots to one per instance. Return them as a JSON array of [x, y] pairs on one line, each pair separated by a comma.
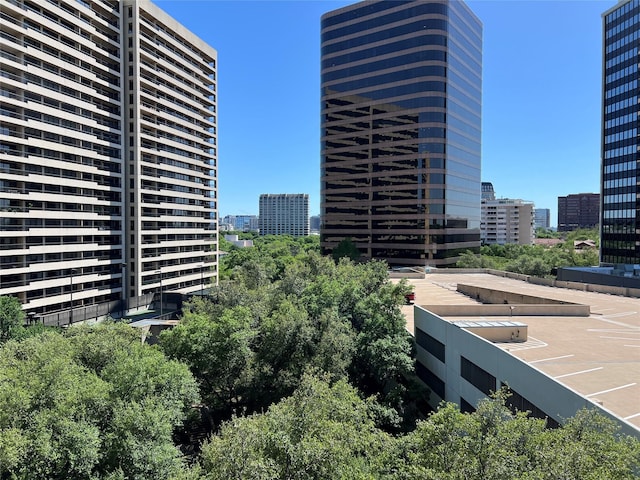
[[541, 96]]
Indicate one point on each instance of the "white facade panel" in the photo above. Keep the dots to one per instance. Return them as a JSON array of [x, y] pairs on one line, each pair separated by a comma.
[[74, 169]]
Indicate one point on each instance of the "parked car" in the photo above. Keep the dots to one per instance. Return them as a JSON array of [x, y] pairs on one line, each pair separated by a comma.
[[409, 298]]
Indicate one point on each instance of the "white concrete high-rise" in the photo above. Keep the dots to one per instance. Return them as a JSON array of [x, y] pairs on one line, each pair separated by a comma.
[[507, 220], [284, 214], [107, 156]]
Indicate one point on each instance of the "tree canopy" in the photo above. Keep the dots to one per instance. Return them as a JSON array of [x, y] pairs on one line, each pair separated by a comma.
[[90, 403], [536, 260], [251, 342], [326, 430]]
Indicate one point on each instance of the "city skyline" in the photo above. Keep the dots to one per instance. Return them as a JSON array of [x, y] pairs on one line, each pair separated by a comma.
[[541, 96]]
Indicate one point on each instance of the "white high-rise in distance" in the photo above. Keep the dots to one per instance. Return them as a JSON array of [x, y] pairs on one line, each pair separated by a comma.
[[284, 214]]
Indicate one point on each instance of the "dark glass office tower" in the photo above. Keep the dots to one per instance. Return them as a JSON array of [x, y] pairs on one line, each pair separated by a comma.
[[620, 206], [401, 100]]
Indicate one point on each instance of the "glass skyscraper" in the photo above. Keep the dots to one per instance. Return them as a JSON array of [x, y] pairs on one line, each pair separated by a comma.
[[401, 108], [620, 206]]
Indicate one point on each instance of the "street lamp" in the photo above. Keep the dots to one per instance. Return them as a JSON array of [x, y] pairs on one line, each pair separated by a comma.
[[160, 273], [124, 289], [72, 271], [202, 279]]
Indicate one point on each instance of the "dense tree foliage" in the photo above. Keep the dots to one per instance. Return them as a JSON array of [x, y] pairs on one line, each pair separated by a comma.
[[272, 251], [326, 431], [346, 248], [251, 342], [322, 431], [536, 260], [90, 403], [11, 318]]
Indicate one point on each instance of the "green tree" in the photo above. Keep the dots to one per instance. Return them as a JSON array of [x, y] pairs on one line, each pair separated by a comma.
[[322, 431], [11, 318], [219, 353], [529, 265], [493, 444], [92, 403], [470, 260], [346, 249]]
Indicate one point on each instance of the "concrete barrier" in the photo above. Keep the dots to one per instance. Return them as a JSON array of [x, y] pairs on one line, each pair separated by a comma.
[[633, 292], [541, 310], [549, 282], [500, 297], [611, 290], [415, 275]]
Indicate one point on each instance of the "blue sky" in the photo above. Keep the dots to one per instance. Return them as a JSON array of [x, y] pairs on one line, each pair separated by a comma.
[[541, 96]]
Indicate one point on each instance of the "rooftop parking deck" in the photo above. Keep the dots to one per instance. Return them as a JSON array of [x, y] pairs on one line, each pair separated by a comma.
[[596, 354]]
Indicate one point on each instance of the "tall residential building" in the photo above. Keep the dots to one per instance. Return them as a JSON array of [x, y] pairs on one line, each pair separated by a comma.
[[620, 170], [578, 210], [107, 156], [284, 214], [507, 221], [542, 218], [400, 119]]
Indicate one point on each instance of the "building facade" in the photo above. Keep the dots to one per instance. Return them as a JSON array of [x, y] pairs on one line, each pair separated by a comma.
[[241, 223], [107, 156], [542, 218], [487, 191], [579, 210], [505, 332], [507, 221], [284, 214], [620, 170], [400, 120], [314, 223]]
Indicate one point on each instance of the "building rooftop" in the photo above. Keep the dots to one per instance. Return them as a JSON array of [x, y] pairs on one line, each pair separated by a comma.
[[597, 355]]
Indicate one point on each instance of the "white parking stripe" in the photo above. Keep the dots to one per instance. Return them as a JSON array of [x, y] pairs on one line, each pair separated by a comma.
[[552, 358], [619, 338], [578, 373], [611, 389]]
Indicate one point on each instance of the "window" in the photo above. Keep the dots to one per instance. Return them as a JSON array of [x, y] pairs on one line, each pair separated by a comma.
[[476, 376], [517, 402], [430, 344], [430, 379], [466, 407]]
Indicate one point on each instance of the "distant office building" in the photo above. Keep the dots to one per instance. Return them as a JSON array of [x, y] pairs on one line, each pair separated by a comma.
[[107, 156], [487, 191], [314, 223], [284, 214], [400, 118], [241, 223], [542, 218], [620, 169], [581, 210], [507, 221], [250, 223]]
